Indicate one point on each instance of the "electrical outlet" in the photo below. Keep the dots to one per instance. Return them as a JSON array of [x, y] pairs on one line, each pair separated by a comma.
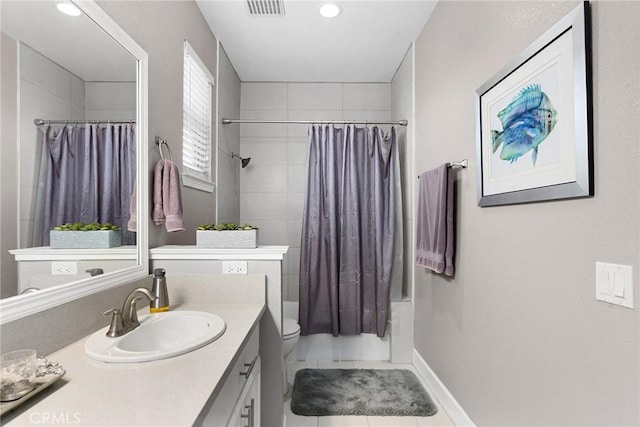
[[64, 267], [234, 267]]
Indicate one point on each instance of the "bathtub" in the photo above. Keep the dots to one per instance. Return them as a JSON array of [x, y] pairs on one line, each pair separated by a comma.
[[359, 347]]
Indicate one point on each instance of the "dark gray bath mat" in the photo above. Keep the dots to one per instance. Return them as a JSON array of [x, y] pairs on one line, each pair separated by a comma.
[[397, 392]]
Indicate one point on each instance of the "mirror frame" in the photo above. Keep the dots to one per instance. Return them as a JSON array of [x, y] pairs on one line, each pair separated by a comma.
[[20, 306]]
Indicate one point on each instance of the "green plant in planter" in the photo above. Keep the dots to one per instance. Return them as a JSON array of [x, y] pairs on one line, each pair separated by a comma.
[[226, 227], [79, 226]]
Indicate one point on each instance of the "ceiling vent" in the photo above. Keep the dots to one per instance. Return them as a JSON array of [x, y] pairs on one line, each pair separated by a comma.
[[265, 7]]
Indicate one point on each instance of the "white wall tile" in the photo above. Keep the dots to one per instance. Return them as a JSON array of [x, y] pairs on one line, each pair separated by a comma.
[[270, 231], [41, 104], [29, 168], [263, 178], [294, 261], [44, 73], [229, 138], [263, 205], [78, 93], [110, 95], [297, 178], [295, 205], [368, 115], [27, 197], [78, 113], [257, 130], [26, 230], [110, 114], [301, 130], [296, 153], [366, 96], [30, 138], [266, 151], [294, 232], [294, 287], [264, 96], [314, 96]]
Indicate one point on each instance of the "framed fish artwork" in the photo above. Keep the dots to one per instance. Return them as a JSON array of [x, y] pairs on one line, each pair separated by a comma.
[[534, 120]]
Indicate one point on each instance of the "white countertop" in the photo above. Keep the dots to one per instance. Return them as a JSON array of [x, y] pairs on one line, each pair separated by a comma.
[[169, 392]]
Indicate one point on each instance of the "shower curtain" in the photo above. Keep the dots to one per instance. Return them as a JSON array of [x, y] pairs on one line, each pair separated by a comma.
[[90, 176], [348, 230]]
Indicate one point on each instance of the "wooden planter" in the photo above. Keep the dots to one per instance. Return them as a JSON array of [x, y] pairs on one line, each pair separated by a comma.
[[94, 239], [227, 239]]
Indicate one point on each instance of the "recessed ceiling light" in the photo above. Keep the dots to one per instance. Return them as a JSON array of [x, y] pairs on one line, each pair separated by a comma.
[[330, 10], [69, 9]]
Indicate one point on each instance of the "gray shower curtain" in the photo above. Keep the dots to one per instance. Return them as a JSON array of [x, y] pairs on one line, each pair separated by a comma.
[[348, 230], [91, 170]]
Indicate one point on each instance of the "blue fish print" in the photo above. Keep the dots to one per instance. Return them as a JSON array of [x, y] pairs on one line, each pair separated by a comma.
[[526, 122]]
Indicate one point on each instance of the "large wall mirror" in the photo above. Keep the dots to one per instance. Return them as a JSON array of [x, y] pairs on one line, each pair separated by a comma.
[[75, 76]]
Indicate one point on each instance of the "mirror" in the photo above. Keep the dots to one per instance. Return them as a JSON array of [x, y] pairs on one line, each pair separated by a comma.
[[79, 69]]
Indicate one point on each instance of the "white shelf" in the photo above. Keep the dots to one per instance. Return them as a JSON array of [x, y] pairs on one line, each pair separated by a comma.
[[173, 252], [45, 253]]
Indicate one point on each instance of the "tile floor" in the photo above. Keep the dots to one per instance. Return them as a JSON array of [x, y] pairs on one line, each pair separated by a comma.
[[441, 419]]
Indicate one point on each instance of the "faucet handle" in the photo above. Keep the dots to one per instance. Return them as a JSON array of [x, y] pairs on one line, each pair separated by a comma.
[[116, 328], [133, 316]]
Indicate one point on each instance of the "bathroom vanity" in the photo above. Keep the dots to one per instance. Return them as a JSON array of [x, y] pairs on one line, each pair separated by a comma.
[[215, 385], [43, 267]]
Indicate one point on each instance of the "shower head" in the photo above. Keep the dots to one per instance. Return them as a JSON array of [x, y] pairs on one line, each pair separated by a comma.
[[245, 161]]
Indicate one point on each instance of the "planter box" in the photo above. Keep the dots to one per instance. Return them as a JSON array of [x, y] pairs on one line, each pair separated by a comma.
[[98, 239], [227, 239]]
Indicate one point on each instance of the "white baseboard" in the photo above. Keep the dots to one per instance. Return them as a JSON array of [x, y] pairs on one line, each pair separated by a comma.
[[440, 392]]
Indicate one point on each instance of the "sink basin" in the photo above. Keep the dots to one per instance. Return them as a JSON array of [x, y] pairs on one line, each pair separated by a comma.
[[159, 336]]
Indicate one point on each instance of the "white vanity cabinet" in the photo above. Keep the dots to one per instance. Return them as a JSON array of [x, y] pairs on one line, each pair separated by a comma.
[[247, 410], [238, 402]]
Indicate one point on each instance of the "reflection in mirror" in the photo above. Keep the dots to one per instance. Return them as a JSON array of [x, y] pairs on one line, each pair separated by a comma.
[[76, 132]]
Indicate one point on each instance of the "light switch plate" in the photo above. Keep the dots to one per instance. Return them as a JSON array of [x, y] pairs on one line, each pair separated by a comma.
[[614, 284]]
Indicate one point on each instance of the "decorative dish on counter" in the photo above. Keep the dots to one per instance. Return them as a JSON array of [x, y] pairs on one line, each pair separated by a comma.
[[47, 373]]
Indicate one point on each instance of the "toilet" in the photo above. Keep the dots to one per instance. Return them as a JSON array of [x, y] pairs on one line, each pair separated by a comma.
[[290, 335]]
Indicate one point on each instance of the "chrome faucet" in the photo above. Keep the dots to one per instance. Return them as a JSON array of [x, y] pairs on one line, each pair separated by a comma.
[[126, 320]]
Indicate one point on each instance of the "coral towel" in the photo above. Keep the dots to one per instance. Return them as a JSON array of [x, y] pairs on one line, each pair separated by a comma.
[[167, 198], [435, 242]]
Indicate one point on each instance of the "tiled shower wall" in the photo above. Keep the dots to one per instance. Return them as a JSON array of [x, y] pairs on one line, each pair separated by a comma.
[[272, 187], [228, 169]]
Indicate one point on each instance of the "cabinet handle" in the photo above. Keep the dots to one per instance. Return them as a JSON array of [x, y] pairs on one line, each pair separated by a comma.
[[249, 367], [249, 415]]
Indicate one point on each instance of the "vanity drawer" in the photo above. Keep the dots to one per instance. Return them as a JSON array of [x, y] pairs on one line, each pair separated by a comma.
[[240, 375]]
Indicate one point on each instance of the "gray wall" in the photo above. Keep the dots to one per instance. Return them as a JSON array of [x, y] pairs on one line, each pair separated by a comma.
[[228, 187], [161, 27], [517, 335]]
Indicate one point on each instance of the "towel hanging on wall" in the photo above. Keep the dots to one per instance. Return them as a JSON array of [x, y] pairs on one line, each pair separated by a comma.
[[167, 197], [435, 240]]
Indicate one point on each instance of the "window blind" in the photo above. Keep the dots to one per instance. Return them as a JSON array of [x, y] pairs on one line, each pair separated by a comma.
[[196, 124]]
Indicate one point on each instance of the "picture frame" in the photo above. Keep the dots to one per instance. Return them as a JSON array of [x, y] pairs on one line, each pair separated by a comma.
[[534, 137]]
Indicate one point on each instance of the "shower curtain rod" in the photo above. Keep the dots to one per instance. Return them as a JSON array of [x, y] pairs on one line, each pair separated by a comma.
[[39, 122], [317, 122]]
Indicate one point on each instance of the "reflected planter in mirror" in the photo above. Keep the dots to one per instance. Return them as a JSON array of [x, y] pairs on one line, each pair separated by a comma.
[[226, 236], [94, 239]]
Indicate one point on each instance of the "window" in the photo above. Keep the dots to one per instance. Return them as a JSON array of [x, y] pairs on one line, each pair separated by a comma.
[[196, 122]]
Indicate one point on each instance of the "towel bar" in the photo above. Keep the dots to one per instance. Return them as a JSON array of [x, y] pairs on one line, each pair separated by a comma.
[[464, 163]]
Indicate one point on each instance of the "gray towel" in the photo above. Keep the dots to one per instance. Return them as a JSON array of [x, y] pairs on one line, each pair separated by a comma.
[[435, 240]]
